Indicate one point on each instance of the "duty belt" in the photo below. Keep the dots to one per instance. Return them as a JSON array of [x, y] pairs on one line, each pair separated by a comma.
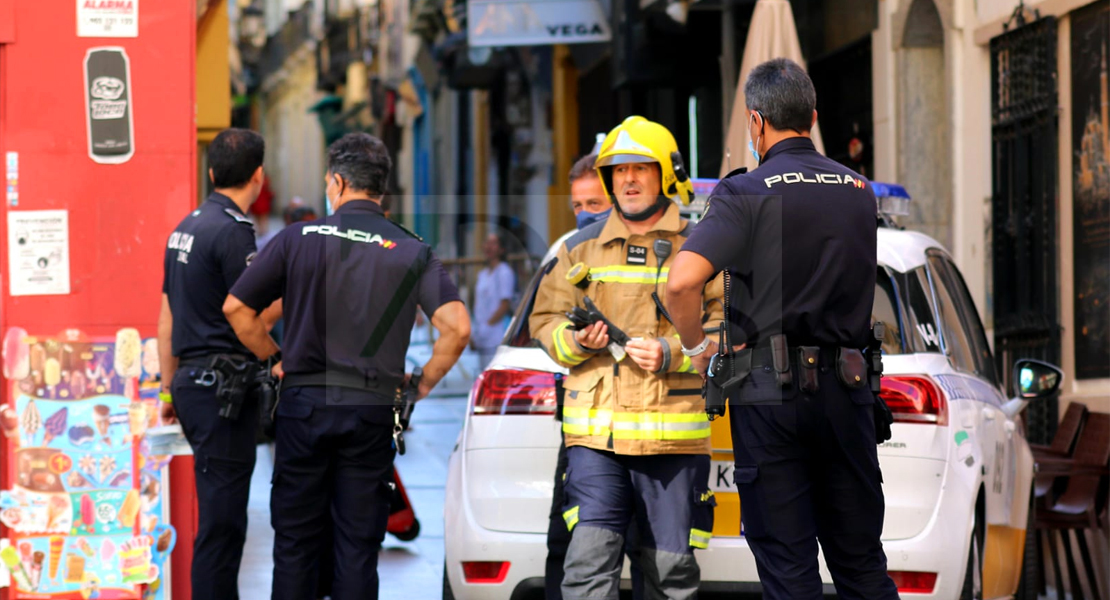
[[343, 379], [205, 360]]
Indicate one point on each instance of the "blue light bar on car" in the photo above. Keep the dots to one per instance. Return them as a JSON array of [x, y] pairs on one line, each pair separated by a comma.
[[893, 199]]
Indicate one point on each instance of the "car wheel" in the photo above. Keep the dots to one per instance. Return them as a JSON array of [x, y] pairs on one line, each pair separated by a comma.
[[411, 533], [1030, 565], [447, 593], [973, 578]]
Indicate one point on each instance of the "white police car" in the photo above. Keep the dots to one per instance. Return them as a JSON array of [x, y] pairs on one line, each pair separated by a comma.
[[958, 472]]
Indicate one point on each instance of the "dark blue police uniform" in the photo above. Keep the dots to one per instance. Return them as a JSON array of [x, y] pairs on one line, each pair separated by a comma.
[[204, 257], [798, 236], [350, 285]]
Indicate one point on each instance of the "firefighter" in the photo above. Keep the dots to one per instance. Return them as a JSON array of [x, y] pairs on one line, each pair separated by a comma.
[[634, 421]]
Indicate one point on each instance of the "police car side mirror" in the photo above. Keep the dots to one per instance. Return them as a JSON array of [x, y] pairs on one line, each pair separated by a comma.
[[1033, 379]]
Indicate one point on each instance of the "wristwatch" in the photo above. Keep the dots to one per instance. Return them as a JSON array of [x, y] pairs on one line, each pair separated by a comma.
[[696, 350]]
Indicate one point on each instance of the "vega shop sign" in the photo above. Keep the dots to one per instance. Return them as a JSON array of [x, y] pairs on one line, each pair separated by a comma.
[[535, 22], [109, 120]]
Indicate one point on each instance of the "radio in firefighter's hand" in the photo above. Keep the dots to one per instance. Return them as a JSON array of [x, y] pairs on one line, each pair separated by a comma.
[[585, 317], [403, 404]]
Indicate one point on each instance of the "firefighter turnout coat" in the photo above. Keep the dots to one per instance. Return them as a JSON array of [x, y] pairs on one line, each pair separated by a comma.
[[617, 406]]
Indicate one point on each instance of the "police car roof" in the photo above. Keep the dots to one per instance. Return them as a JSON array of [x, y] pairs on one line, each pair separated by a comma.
[[904, 250]]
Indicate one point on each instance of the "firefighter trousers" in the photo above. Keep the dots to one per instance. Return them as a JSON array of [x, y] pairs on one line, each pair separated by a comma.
[[669, 497]]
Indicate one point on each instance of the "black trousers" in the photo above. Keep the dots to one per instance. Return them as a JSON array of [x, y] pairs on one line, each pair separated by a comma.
[[807, 469], [333, 457], [224, 455]]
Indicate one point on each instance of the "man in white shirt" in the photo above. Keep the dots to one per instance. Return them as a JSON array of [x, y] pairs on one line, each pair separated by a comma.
[[493, 295]]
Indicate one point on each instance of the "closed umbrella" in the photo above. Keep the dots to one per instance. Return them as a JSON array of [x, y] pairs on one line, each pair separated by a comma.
[[772, 34]]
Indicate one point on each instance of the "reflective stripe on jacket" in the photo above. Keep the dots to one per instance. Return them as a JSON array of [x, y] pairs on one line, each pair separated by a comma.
[[619, 406]]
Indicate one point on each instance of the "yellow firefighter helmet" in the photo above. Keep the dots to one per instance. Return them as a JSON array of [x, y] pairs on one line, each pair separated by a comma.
[[638, 140]]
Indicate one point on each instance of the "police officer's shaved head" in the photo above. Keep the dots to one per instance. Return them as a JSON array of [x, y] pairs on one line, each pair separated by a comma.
[[363, 162], [783, 93], [234, 156]]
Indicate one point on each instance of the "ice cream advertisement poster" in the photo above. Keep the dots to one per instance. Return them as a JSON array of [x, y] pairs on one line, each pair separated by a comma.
[[83, 505]]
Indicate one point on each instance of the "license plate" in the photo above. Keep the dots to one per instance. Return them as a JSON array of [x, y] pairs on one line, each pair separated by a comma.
[[720, 476]]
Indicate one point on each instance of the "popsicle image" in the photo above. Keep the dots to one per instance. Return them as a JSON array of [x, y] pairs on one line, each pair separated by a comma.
[[36, 569], [87, 516], [57, 543], [25, 554], [9, 421], [129, 347], [107, 551], [17, 356], [10, 558], [30, 421], [55, 425], [130, 509], [52, 373], [150, 358], [83, 545]]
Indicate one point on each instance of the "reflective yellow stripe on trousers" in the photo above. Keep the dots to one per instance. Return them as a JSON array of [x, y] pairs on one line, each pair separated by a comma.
[[660, 426], [586, 421], [699, 538]]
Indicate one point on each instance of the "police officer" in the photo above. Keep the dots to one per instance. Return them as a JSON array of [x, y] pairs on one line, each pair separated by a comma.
[[636, 433], [204, 257], [797, 237], [350, 285]]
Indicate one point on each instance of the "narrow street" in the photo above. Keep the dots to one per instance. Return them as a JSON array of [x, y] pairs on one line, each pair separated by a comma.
[[409, 570]]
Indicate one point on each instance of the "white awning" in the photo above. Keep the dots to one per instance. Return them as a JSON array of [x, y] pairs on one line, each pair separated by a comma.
[[535, 22]]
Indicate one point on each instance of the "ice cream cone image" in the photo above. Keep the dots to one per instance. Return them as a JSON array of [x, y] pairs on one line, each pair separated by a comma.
[[55, 426], [36, 569], [30, 421], [57, 543]]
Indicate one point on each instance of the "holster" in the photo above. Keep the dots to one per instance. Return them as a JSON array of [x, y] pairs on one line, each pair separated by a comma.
[[726, 373], [809, 359], [851, 368]]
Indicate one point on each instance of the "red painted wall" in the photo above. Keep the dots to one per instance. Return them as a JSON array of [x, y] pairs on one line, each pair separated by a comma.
[[119, 215]]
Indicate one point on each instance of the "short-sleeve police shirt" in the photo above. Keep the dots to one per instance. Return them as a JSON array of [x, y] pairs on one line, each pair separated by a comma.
[[798, 235], [205, 255], [350, 284]]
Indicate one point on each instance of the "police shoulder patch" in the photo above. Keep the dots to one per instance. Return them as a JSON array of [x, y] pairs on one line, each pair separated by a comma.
[[238, 217]]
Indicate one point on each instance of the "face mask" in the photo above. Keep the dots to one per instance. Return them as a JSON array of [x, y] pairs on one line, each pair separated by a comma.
[[328, 210], [751, 145], [586, 218]]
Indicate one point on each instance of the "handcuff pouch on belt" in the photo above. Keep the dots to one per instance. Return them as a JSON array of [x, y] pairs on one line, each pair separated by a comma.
[[809, 359], [851, 368]]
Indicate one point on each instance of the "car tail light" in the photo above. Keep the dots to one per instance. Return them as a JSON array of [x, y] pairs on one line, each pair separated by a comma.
[[915, 399], [914, 582], [485, 572], [514, 392]]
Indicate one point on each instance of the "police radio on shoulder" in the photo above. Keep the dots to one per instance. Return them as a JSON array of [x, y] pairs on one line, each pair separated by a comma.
[[696, 350]]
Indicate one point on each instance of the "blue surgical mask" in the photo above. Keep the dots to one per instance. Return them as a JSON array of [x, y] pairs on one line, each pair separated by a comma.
[[585, 218], [751, 148]]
